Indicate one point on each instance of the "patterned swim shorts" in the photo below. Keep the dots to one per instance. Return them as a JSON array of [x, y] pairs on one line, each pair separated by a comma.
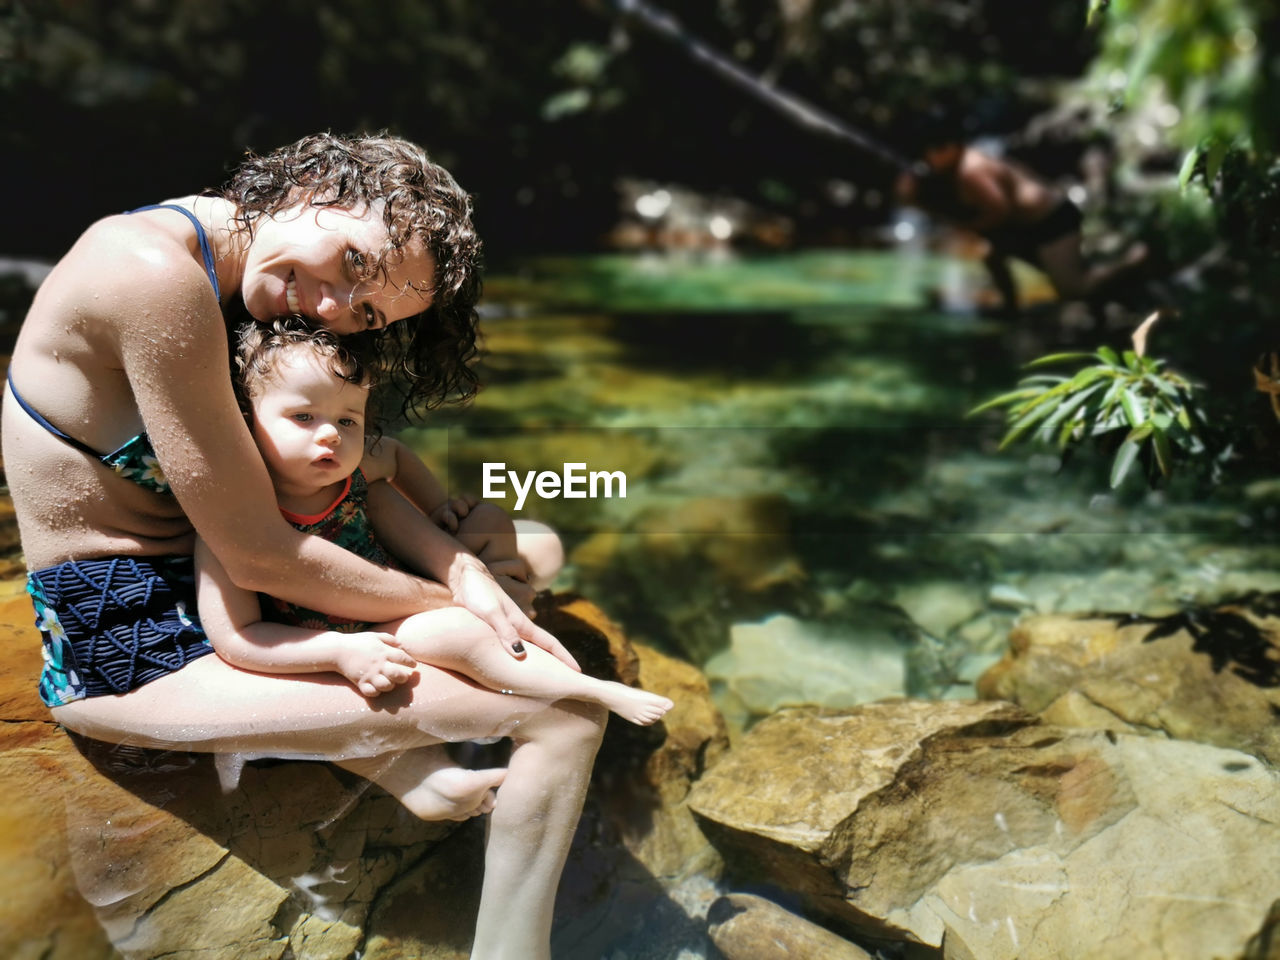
[[112, 624]]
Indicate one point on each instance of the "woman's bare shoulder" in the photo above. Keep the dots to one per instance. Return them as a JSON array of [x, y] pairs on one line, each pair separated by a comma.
[[126, 265]]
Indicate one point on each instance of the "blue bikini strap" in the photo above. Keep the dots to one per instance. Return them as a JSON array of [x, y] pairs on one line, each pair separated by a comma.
[[205, 249], [35, 415]]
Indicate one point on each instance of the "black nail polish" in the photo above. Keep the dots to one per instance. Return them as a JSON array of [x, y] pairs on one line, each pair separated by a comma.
[[518, 647]]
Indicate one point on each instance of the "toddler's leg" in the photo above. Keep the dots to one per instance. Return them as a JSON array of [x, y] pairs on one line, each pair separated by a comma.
[[457, 640]]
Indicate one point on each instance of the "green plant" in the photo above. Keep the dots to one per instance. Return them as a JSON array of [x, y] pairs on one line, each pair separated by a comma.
[[1131, 399]]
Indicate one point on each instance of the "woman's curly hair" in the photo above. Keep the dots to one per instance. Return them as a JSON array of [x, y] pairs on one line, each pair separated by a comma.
[[429, 359]]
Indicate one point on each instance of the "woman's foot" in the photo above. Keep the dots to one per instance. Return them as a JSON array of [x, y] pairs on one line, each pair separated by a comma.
[[430, 785]]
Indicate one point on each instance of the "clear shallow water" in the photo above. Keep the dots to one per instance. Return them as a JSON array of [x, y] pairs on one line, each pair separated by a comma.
[[794, 438]]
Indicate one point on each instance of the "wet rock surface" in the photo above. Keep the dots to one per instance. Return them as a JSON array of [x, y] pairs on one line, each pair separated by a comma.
[[109, 851], [1208, 674], [916, 820]]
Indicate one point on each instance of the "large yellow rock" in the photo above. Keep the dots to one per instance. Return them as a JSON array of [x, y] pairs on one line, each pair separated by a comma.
[[1211, 675], [919, 820], [108, 851]]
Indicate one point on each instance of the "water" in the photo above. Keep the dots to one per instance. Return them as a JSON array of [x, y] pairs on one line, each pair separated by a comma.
[[799, 463]]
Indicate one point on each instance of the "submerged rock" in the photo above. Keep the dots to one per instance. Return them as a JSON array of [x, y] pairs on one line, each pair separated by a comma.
[[703, 562], [747, 927], [917, 820], [783, 661], [1211, 675]]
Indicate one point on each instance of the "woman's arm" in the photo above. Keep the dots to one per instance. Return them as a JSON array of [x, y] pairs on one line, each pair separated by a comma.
[[159, 313], [232, 619]]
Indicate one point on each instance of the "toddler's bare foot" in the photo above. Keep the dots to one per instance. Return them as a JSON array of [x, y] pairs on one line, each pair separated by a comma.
[[638, 706], [430, 785]]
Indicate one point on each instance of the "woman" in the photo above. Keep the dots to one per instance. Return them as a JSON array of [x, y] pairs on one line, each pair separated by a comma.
[[122, 437]]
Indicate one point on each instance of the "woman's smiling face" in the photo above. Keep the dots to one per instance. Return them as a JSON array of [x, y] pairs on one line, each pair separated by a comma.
[[316, 262]]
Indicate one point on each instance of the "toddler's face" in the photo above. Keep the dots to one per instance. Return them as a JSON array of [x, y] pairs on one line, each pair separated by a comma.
[[308, 423]]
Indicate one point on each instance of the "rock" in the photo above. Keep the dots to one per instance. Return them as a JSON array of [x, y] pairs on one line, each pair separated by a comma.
[[599, 645], [137, 853], [1003, 595], [666, 839], [783, 661], [939, 606], [910, 819], [644, 774], [109, 851], [747, 927], [1265, 944], [1210, 675]]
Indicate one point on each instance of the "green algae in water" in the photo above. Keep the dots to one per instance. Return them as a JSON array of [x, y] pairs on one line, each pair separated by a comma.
[[683, 283]]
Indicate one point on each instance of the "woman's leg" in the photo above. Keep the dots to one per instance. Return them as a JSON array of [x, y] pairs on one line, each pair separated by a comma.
[[457, 640], [429, 784], [531, 828], [394, 740]]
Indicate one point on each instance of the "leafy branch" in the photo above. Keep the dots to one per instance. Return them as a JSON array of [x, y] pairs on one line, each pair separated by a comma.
[[1129, 398]]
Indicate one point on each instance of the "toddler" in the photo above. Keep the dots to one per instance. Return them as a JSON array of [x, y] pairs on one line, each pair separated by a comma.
[[304, 396]]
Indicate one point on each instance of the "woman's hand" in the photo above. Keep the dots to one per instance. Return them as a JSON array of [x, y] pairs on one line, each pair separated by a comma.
[[513, 577], [475, 589], [373, 662]]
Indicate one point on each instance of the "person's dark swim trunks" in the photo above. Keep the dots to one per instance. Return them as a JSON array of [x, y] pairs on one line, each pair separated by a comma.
[[112, 624], [1024, 240]]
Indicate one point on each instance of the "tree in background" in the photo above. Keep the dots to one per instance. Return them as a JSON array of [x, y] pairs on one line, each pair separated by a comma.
[[538, 106], [1192, 89]]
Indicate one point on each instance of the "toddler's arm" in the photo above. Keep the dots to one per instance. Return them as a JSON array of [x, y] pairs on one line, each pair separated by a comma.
[[232, 619], [386, 458]]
